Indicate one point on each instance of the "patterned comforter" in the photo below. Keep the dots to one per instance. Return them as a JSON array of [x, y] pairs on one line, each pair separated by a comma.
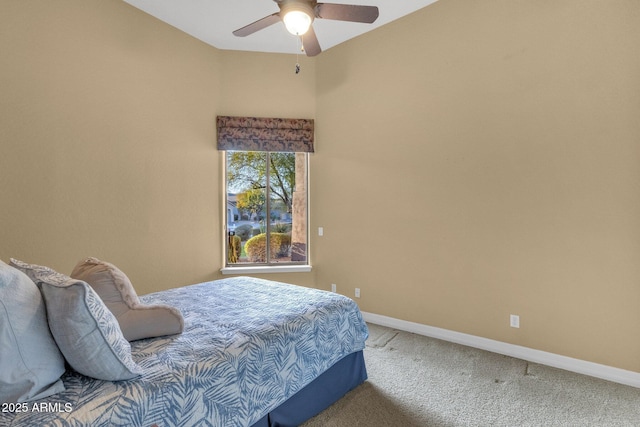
[[248, 345]]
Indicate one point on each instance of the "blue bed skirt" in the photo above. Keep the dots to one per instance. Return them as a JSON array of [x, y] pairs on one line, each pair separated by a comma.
[[335, 382]]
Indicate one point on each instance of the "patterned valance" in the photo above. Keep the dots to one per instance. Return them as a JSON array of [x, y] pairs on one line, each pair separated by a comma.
[[265, 134]]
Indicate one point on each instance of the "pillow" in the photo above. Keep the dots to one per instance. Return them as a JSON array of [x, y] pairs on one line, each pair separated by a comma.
[[136, 320], [86, 331], [31, 361]]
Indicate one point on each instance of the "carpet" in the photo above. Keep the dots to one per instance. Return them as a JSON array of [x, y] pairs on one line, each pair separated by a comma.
[[424, 382]]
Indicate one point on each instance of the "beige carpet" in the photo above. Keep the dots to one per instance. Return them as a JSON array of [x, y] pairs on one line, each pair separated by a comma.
[[420, 381]]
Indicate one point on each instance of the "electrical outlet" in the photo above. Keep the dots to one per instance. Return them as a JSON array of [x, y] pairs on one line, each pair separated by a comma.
[[333, 287], [357, 292], [514, 321]]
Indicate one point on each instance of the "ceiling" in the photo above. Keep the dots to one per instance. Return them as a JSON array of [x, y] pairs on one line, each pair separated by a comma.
[[213, 21]]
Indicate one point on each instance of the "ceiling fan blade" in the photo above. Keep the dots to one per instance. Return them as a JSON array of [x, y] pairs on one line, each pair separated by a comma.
[[310, 42], [258, 25], [347, 12]]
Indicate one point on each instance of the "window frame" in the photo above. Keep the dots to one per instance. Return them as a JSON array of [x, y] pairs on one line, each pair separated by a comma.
[[259, 268]]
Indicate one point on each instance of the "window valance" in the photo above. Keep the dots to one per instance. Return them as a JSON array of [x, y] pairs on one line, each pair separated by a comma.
[[265, 134]]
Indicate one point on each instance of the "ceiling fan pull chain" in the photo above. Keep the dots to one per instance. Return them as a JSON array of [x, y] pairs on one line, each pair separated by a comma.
[[301, 49]]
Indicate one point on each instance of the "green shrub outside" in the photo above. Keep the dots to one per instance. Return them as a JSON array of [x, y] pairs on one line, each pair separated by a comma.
[[235, 248], [244, 231], [281, 227], [256, 247]]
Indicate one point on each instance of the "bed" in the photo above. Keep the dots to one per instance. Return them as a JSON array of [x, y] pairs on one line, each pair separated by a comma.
[[253, 352]]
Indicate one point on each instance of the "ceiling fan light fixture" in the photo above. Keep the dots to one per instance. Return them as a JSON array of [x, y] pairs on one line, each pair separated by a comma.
[[297, 22], [297, 17]]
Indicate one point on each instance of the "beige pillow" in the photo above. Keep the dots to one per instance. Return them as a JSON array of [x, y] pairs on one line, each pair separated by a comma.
[[136, 320]]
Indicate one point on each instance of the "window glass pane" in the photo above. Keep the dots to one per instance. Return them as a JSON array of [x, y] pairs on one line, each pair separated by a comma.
[[282, 180], [299, 215], [246, 204], [266, 196]]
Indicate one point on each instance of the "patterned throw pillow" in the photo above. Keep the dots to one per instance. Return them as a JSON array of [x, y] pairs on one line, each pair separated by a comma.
[[30, 359], [85, 330]]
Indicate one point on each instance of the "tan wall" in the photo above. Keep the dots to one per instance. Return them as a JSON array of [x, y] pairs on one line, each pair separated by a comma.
[[266, 85], [107, 120], [481, 159]]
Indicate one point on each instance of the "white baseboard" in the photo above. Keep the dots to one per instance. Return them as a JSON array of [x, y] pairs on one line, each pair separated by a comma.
[[605, 372]]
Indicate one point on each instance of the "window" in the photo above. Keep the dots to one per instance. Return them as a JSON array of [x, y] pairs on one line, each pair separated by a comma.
[[266, 169], [266, 208]]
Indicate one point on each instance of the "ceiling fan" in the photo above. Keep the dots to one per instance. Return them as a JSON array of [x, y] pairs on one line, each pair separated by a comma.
[[298, 15]]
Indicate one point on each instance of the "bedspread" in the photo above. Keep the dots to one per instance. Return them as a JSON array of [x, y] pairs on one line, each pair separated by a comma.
[[248, 345]]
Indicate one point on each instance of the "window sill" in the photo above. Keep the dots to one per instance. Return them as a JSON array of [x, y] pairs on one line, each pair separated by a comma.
[[267, 269]]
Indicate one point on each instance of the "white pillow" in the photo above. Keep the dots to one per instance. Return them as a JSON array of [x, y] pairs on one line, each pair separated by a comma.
[[31, 363], [136, 320], [86, 331]]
